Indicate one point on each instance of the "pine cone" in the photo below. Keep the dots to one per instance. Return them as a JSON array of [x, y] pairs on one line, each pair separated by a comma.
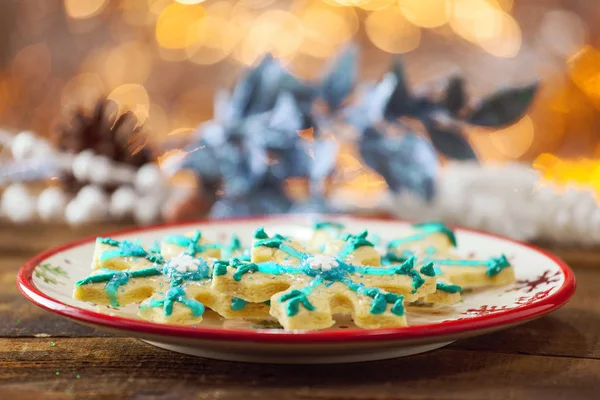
[[118, 137]]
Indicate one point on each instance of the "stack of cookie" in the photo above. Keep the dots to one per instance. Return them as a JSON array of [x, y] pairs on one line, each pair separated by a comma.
[[301, 284]]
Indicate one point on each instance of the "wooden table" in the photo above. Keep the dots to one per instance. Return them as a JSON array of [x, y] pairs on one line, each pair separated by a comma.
[[43, 356]]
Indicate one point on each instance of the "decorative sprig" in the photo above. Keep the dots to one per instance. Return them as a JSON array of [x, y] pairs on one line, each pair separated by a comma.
[[253, 147]]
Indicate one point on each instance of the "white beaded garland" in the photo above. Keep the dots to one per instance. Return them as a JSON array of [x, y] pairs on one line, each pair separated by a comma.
[[75, 214], [147, 210], [23, 145], [100, 170], [93, 202], [17, 204], [123, 202], [149, 178], [51, 204], [508, 200], [82, 165]]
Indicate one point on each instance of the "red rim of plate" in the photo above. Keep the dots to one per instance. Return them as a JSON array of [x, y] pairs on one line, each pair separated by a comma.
[[446, 328]]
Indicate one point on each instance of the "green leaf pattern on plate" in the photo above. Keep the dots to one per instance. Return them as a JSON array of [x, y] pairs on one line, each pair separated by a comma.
[[51, 274]]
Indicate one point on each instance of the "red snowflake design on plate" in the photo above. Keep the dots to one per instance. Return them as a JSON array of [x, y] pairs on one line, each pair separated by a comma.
[[521, 301], [525, 300], [531, 284], [486, 309]]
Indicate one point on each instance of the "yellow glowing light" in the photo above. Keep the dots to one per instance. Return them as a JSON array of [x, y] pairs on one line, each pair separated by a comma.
[[563, 32], [81, 9], [216, 39], [130, 62], [221, 9], [560, 171], [425, 13], [132, 97], [157, 121], [473, 19], [480, 22], [190, 1], [507, 39], [515, 140], [82, 89], [32, 62], [174, 24], [504, 5], [157, 6], [391, 32], [275, 31], [373, 5], [324, 30], [256, 4], [135, 12], [585, 71]]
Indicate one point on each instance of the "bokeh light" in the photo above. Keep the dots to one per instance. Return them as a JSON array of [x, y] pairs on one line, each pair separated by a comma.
[[117, 64], [70, 52], [81, 9], [390, 31], [515, 140], [132, 97], [425, 13], [175, 22], [277, 32]]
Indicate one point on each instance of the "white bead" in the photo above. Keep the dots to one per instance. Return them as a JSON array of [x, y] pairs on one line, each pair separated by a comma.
[[17, 204], [149, 179], [94, 201], [23, 145], [82, 164], [595, 225], [147, 210], [122, 202], [91, 191], [51, 204], [100, 170], [76, 214], [123, 173]]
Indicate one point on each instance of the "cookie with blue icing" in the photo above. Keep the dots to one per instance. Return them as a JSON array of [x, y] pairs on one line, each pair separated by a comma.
[[323, 233], [436, 243], [423, 239], [122, 254], [192, 243], [175, 291], [305, 289]]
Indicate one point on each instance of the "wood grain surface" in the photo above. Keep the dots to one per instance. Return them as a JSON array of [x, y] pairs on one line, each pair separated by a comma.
[[43, 356]]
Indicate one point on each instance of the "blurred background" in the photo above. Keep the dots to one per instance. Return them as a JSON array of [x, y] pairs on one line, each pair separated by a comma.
[[164, 60]]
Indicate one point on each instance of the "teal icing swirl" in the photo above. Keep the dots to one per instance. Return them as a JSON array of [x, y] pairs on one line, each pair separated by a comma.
[[380, 299], [333, 229], [234, 246], [278, 242], [177, 295], [354, 242], [448, 288], [126, 248], [238, 304], [494, 265], [328, 225], [426, 229], [293, 300], [192, 244], [260, 234], [115, 279], [430, 270]]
